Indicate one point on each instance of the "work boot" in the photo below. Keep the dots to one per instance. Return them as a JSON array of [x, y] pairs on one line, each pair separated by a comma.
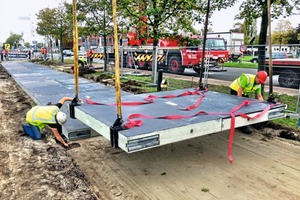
[[245, 130]]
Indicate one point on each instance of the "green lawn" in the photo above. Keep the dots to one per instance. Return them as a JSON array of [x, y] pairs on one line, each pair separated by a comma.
[[243, 62], [246, 58]]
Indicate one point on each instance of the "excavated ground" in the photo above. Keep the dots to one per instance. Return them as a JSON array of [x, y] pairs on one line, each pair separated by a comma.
[[33, 169]]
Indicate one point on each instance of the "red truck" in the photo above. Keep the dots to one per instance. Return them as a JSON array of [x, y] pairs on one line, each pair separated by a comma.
[[175, 57], [288, 70]]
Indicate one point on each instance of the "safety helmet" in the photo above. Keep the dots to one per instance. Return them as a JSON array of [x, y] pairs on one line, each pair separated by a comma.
[[61, 118], [262, 76]]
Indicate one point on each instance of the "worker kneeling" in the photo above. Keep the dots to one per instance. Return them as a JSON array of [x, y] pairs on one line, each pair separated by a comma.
[[249, 83], [40, 116]]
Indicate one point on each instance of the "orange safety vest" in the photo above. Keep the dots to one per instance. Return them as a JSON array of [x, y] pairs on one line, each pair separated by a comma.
[[90, 52]]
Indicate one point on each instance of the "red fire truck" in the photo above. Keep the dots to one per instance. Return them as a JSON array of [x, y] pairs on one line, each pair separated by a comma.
[[174, 56]]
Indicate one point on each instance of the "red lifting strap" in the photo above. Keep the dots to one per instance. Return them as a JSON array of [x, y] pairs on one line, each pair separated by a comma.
[[133, 122], [129, 103], [150, 99], [196, 92], [233, 113]]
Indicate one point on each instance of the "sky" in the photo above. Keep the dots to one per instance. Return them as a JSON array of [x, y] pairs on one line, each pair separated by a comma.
[[19, 16], [224, 19]]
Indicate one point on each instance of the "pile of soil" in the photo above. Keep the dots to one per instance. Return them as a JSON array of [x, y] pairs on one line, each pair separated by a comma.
[[270, 130], [131, 86]]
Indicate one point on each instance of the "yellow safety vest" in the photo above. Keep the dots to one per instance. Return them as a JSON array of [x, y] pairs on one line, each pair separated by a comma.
[[82, 59], [42, 115], [250, 87]]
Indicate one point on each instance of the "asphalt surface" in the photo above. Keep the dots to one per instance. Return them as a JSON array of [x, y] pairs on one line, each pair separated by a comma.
[[219, 78], [225, 78]]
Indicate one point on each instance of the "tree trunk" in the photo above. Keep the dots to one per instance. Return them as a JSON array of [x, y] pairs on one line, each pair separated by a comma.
[[105, 53], [51, 49], [61, 44], [262, 41]]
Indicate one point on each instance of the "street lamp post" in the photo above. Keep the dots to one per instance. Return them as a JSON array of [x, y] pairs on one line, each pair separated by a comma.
[[17, 45]]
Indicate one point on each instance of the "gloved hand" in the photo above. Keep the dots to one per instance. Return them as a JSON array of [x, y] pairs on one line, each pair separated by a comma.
[[76, 100]]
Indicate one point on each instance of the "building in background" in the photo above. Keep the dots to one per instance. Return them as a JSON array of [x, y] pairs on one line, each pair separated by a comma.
[[234, 40]]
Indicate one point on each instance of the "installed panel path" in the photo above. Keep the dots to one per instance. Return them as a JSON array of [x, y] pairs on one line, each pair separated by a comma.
[[43, 84]]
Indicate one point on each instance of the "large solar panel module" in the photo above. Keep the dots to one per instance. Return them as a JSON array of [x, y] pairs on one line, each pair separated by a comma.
[[161, 119]]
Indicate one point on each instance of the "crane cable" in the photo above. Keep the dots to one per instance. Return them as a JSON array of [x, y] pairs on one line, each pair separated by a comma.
[[75, 47], [75, 50], [119, 120]]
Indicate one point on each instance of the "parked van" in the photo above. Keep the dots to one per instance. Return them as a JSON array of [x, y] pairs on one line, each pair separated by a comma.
[[275, 55]]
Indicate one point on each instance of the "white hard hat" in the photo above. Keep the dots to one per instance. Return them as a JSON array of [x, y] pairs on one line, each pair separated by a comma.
[[61, 118]]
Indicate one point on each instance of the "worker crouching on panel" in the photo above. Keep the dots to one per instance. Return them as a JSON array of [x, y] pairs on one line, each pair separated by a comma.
[[249, 83], [40, 116]]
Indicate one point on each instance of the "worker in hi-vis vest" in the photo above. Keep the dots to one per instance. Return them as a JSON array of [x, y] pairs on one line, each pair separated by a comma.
[[90, 53], [82, 61], [248, 83], [40, 116]]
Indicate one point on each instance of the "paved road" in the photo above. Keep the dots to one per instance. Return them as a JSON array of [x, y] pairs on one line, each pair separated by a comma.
[[231, 74], [222, 78], [225, 78]]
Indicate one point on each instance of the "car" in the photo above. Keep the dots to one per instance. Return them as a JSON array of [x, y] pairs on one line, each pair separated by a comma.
[[275, 55], [81, 53], [68, 53], [279, 55], [290, 55]]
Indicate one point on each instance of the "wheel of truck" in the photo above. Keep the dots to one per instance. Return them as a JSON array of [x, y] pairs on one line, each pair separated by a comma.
[[197, 70], [150, 63], [129, 61], [175, 65], [142, 65], [289, 78]]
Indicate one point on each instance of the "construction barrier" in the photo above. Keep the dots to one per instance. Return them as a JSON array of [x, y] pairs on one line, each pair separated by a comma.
[[138, 56], [17, 55], [143, 57]]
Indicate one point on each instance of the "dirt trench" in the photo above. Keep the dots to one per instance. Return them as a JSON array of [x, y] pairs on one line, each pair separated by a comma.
[[33, 169]]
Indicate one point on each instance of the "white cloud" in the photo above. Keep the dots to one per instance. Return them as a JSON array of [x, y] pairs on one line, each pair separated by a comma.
[[14, 12]]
